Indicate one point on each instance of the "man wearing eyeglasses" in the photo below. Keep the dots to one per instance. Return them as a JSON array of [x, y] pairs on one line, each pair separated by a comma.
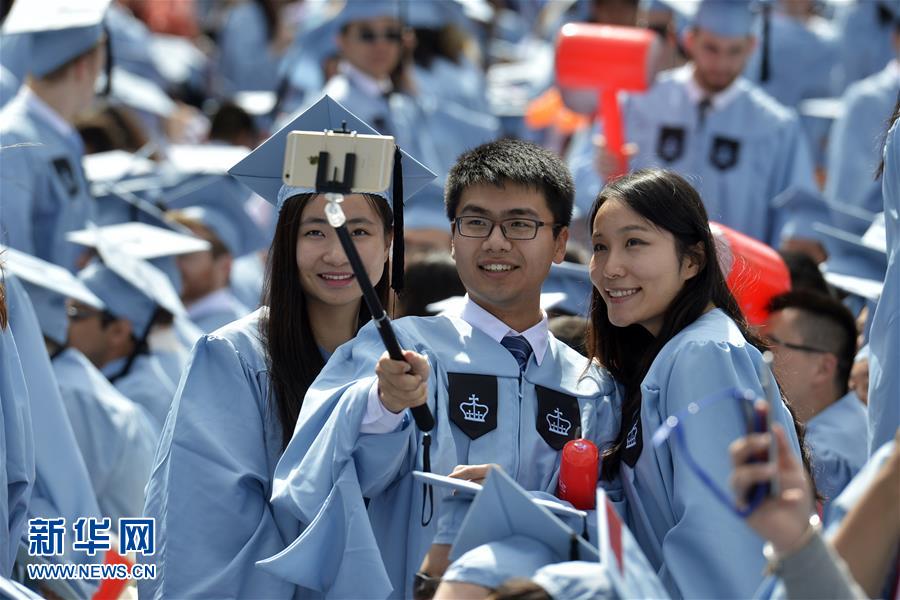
[[502, 389], [813, 337]]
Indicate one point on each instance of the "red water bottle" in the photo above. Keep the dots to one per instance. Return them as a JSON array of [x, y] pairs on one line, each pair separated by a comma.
[[579, 468]]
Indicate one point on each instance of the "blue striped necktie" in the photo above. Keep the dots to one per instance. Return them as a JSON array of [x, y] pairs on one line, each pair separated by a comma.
[[519, 347]]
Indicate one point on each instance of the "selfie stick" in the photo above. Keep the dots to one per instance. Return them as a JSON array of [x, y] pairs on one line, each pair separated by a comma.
[[771, 393], [334, 194]]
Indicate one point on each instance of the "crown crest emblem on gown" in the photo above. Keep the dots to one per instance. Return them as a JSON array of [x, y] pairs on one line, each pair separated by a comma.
[[473, 410], [557, 423]]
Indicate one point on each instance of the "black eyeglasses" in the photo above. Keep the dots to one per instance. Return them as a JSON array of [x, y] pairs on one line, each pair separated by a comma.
[[513, 229], [774, 341], [370, 36]]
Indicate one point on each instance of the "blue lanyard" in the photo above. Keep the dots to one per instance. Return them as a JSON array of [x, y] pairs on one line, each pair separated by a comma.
[[744, 399]]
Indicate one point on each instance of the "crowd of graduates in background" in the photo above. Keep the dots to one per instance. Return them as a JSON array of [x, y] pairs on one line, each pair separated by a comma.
[[183, 338]]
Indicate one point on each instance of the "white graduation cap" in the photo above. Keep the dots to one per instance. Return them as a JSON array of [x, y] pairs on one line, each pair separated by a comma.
[[830, 109], [140, 240], [114, 165], [138, 92], [132, 288], [864, 287], [48, 286], [257, 103], [48, 275], [60, 29], [205, 159]]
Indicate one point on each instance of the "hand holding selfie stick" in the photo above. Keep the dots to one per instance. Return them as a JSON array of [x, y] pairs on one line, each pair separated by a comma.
[[334, 191]]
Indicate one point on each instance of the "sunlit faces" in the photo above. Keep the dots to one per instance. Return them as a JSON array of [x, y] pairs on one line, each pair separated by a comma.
[[87, 333], [197, 271], [795, 368], [635, 267], [504, 276], [325, 273], [373, 46], [718, 60]]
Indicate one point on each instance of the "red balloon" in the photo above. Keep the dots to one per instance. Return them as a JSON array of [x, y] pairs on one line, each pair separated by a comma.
[[754, 271]]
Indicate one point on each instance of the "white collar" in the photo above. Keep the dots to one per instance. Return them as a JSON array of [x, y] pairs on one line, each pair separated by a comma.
[[538, 335], [696, 93], [47, 113], [369, 85]]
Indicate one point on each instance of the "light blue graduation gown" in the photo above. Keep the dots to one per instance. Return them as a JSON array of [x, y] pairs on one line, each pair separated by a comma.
[[9, 85], [884, 336], [450, 129], [131, 40], [462, 83], [16, 450], [395, 115], [210, 487], [115, 435], [837, 439], [245, 62], [802, 59], [757, 143], [854, 149], [865, 42], [62, 486], [146, 384], [328, 468], [43, 189], [247, 274], [699, 548], [222, 310]]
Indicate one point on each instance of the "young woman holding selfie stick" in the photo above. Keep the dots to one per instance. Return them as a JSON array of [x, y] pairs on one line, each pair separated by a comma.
[[240, 398]]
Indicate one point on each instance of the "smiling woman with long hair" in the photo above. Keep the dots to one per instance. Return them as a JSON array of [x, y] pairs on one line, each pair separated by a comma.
[[665, 324], [239, 400]]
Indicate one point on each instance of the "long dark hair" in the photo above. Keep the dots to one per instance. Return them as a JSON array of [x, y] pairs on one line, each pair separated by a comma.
[[292, 354], [669, 202]]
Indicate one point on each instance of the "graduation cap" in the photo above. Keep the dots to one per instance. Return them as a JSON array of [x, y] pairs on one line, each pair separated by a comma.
[[130, 287], [728, 18], [572, 282], [140, 240], [60, 30], [137, 92], [623, 571], [854, 255], [799, 209], [261, 170], [48, 286], [354, 11], [856, 264], [502, 509], [221, 207]]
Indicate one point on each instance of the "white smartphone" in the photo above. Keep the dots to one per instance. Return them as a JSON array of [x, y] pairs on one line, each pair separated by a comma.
[[373, 164]]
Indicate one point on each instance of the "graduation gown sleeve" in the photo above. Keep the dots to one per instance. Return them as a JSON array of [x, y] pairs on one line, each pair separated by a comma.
[[16, 451], [210, 486], [327, 470], [62, 486], [884, 343], [702, 549]]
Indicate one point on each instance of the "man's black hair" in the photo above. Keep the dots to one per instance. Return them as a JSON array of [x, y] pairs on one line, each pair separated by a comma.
[[510, 161]]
